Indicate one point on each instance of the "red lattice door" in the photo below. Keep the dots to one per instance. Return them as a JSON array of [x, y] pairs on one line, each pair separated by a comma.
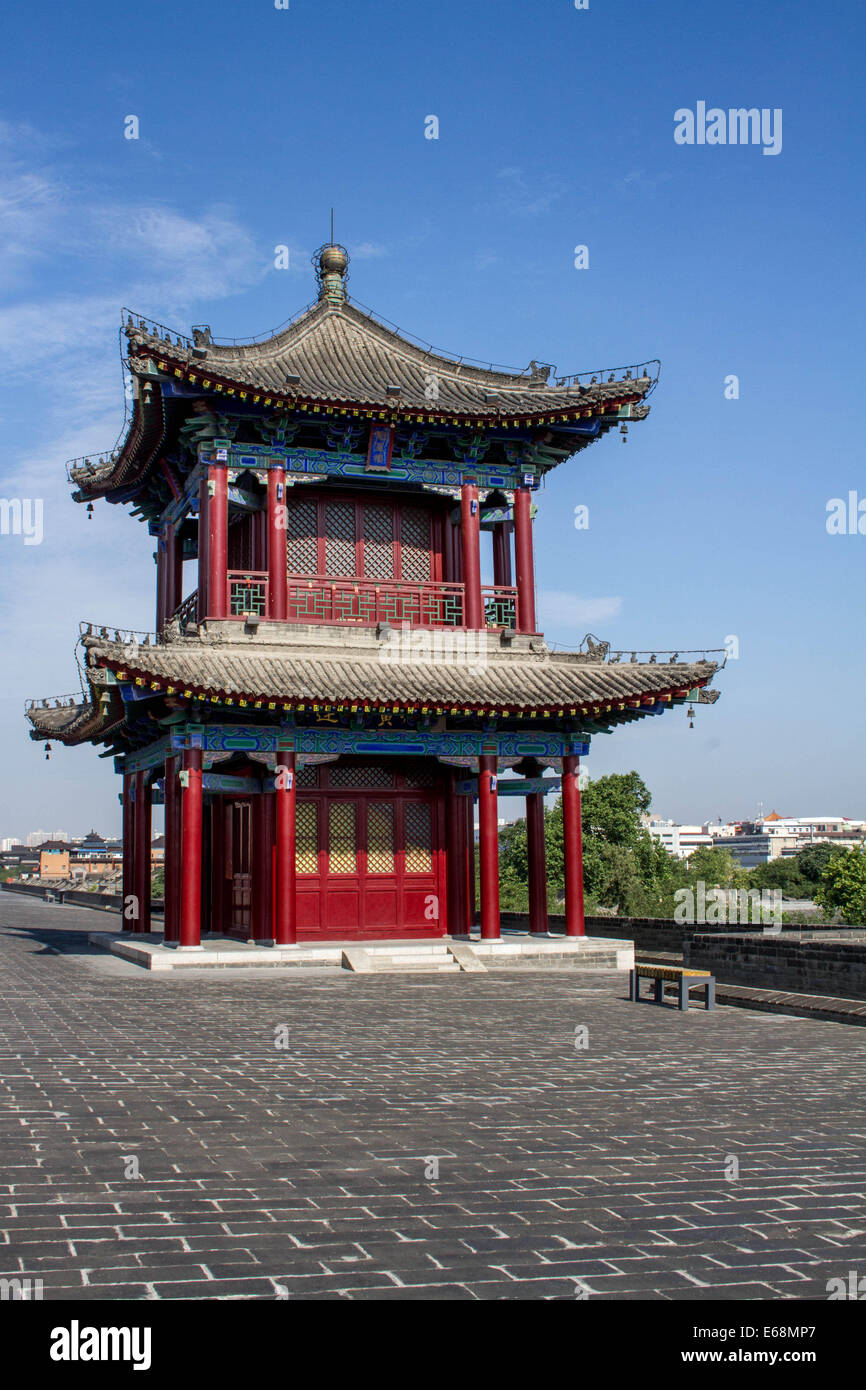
[[368, 854], [238, 867]]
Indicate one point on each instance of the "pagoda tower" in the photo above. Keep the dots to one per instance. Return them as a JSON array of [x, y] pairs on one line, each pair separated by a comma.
[[329, 687]]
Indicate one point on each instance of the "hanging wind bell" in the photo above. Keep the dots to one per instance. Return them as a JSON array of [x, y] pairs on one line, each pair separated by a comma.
[[47, 751], [690, 713], [90, 511]]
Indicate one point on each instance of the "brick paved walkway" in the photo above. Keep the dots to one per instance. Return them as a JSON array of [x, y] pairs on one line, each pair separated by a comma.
[[562, 1172]]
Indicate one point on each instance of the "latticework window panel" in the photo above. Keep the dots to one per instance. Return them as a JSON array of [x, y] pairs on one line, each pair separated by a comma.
[[340, 538], [307, 777], [419, 838], [419, 779], [307, 837], [379, 542], [380, 837], [341, 837], [247, 596], [360, 777], [415, 544], [302, 553]]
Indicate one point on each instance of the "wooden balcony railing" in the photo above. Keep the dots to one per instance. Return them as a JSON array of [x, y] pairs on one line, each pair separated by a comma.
[[322, 599], [500, 606], [247, 593], [187, 613], [365, 602]]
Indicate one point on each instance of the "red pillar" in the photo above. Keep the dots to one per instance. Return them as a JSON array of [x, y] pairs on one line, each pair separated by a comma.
[[457, 913], [286, 916], [470, 516], [262, 843], [203, 505], [128, 882], [277, 577], [161, 578], [538, 920], [502, 553], [523, 560], [572, 846], [191, 818], [489, 846], [172, 852], [470, 861], [173, 569], [217, 542], [455, 533], [141, 842]]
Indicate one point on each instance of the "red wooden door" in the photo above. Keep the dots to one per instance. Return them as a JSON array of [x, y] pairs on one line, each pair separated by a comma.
[[369, 854], [238, 867]]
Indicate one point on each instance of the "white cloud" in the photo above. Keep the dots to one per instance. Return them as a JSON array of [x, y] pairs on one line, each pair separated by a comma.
[[562, 612], [367, 251]]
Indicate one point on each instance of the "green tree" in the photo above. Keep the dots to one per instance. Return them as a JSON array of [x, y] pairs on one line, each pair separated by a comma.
[[812, 861], [843, 886], [781, 873]]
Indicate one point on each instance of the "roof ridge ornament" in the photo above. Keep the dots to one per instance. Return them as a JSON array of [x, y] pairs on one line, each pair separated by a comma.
[[331, 264]]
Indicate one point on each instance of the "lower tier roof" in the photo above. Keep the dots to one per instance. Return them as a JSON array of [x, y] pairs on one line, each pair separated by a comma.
[[532, 683]]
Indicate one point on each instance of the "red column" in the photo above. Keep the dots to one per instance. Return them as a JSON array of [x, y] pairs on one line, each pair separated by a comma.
[[470, 861], [470, 516], [277, 580], [458, 901], [538, 921], [262, 841], [203, 505], [128, 883], [172, 852], [161, 578], [173, 569], [191, 817], [502, 553], [489, 846], [572, 846], [286, 916], [456, 552], [217, 542], [523, 560], [141, 841]]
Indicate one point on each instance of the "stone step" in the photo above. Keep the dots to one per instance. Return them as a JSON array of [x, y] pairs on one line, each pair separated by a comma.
[[415, 967], [564, 960], [393, 960]]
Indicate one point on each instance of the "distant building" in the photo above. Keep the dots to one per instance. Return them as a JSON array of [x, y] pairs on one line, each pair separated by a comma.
[[53, 861], [680, 840], [39, 837]]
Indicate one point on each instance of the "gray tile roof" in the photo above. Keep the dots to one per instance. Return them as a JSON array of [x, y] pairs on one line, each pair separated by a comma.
[[527, 681], [340, 354], [316, 666]]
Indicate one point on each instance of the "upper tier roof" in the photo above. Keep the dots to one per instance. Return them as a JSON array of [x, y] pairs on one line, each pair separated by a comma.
[[341, 358], [335, 353]]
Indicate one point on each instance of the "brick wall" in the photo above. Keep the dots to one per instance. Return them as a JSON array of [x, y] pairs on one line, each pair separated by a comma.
[[659, 934], [834, 965]]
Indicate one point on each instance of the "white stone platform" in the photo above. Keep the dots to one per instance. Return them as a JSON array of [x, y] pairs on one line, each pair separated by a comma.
[[435, 955]]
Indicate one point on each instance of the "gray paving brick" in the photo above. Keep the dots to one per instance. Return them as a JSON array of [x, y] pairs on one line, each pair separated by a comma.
[[307, 1168]]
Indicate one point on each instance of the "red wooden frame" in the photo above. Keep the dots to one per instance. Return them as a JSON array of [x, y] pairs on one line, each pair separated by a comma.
[[396, 506], [358, 905]]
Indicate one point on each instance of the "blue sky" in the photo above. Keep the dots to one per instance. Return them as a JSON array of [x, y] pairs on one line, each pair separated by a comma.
[[556, 130]]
